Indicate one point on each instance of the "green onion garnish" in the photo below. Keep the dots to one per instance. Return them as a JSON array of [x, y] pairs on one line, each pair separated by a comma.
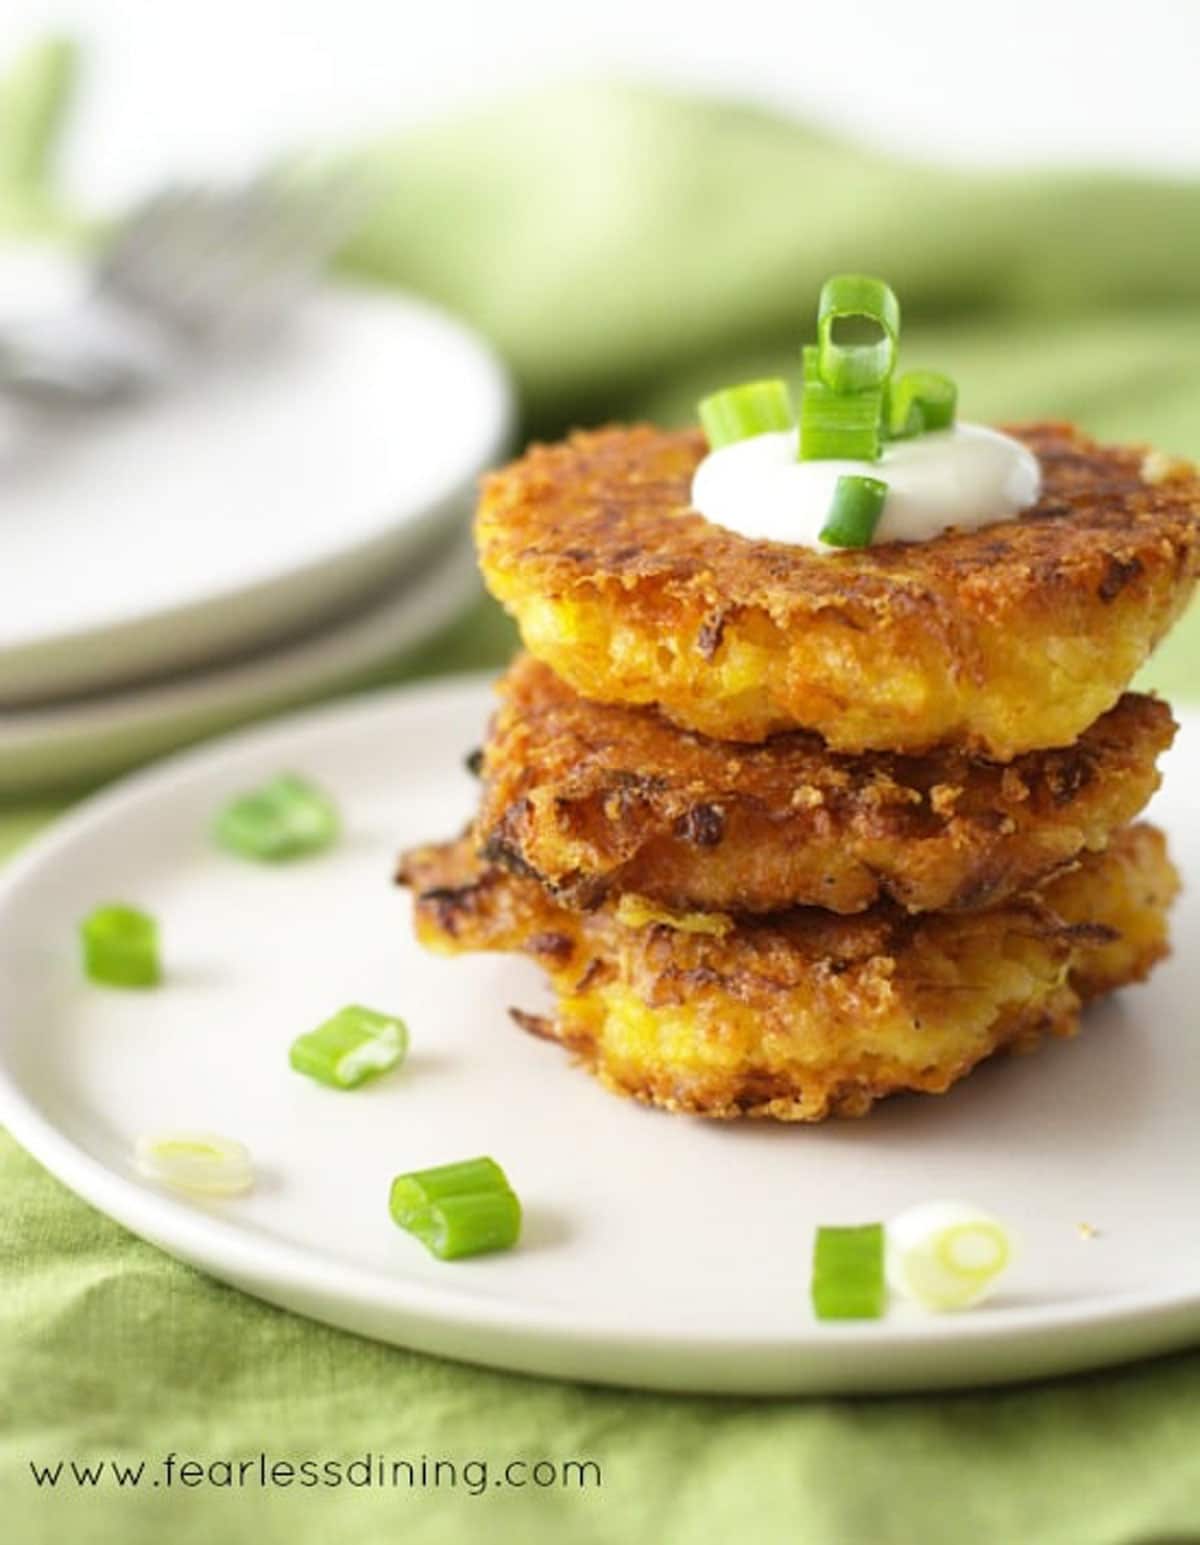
[[286, 818], [946, 1255], [855, 511], [850, 403], [355, 1045], [741, 412], [847, 1279], [458, 1209], [837, 426], [919, 401], [202, 1163], [854, 367], [120, 947]]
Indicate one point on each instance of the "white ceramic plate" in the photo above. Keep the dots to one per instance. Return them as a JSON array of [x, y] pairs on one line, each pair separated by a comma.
[[245, 503], [658, 1251], [44, 748]]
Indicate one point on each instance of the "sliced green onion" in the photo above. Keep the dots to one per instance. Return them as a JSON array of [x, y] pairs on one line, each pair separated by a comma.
[[741, 412], [198, 1162], [423, 1187], [120, 947], [286, 818], [355, 1045], [473, 1224], [946, 1255], [837, 426], [921, 400], [847, 1279], [457, 1209], [855, 511], [857, 366]]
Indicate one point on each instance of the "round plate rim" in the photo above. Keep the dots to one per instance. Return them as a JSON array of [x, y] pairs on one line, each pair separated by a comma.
[[425, 601], [323, 580], [419, 1310]]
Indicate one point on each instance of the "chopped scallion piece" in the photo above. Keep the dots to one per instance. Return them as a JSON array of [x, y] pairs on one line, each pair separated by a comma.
[[120, 947], [855, 511], [837, 426], [847, 1280], [286, 818], [859, 300], [422, 1187], [946, 1255], [472, 1224], [457, 1209], [355, 1045], [741, 412], [198, 1162], [921, 400]]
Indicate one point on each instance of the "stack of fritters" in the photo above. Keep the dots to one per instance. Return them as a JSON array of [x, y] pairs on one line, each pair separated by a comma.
[[791, 831]]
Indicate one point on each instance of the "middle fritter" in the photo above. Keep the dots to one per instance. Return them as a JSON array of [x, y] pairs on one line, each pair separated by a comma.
[[595, 800]]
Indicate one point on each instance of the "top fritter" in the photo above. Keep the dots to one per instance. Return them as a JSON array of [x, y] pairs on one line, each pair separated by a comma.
[[1004, 639]]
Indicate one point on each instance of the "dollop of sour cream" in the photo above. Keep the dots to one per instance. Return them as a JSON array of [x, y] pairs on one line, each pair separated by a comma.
[[963, 477]]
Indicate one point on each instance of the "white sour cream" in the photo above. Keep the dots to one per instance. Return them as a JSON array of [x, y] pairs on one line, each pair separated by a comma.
[[964, 477]]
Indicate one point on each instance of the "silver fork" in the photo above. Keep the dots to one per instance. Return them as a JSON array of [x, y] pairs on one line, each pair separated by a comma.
[[191, 269]]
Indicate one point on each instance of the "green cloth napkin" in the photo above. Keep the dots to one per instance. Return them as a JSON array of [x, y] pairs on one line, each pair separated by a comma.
[[627, 249]]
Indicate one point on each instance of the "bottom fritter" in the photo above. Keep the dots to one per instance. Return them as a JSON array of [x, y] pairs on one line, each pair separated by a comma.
[[804, 1014]]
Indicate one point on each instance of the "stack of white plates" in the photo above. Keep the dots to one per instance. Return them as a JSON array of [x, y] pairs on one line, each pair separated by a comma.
[[264, 531]]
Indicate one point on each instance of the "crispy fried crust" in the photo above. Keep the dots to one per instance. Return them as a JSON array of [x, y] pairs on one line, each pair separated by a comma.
[[1010, 638], [806, 1015], [595, 800]]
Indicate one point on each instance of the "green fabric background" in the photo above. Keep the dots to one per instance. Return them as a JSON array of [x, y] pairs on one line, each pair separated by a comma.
[[626, 250]]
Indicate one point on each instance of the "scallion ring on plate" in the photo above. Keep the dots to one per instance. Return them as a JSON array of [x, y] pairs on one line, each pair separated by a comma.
[[355, 1045], [201, 1163], [848, 1272], [465, 1208], [120, 946], [946, 1255], [286, 818]]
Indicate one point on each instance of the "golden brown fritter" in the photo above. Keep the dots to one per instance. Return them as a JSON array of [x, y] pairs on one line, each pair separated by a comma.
[[594, 799], [1009, 638], [806, 1014]]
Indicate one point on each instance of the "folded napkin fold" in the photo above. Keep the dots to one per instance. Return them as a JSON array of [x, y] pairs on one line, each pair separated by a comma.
[[627, 249]]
